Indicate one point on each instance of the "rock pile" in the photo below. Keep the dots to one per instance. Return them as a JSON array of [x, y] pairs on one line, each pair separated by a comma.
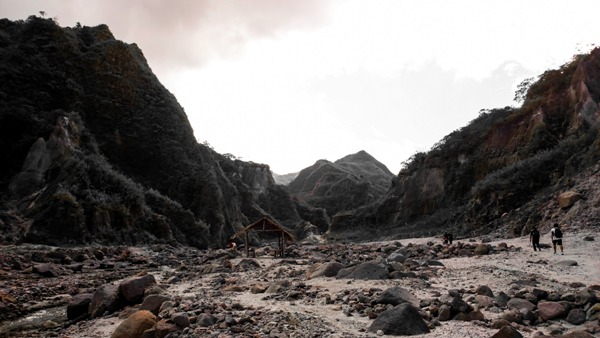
[[164, 291]]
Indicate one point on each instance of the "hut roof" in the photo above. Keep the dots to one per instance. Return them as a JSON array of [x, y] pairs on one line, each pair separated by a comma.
[[266, 224]]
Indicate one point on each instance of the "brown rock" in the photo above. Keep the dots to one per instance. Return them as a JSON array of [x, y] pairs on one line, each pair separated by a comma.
[[482, 249], [135, 325], [507, 332], [163, 328], [551, 310], [152, 303], [568, 198], [133, 288]]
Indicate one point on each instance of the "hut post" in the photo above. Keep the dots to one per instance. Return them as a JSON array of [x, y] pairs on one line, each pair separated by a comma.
[[246, 243], [282, 244]]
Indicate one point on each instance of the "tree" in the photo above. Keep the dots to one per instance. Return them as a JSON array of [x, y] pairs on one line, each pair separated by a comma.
[[522, 89]]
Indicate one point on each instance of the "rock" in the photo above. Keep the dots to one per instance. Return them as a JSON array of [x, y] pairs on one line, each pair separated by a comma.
[[206, 320], [550, 310], [484, 290], [403, 319], [471, 316], [502, 299], [329, 269], [278, 286], [500, 323], [445, 313], [585, 297], [484, 301], [258, 288], [79, 305], [576, 317], [45, 270], [132, 289], [458, 305], [152, 303], [105, 299], [513, 316], [396, 257], [397, 295], [402, 275], [566, 263], [181, 319], [135, 325], [233, 288], [507, 332], [75, 267], [520, 304], [247, 264], [364, 271], [568, 198], [482, 249], [593, 313], [164, 327]]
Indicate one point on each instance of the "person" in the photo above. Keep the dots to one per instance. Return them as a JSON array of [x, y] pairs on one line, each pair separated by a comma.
[[232, 246], [534, 238], [447, 238], [557, 236]]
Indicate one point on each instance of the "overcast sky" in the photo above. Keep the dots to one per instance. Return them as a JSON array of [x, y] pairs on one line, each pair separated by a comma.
[[289, 82]]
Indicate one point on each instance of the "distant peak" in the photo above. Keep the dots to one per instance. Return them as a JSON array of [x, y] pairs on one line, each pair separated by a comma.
[[361, 156]]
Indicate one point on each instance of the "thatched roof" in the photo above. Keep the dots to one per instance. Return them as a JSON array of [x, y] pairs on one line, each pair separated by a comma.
[[265, 224]]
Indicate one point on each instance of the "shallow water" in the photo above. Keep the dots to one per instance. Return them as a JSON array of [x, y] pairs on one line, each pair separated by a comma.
[[36, 320]]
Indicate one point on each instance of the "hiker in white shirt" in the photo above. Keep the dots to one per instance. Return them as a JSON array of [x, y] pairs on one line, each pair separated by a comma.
[[556, 234]]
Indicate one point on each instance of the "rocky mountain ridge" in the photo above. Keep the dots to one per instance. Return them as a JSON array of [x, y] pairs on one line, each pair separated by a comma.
[[504, 171], [95, 150], [344, 185]]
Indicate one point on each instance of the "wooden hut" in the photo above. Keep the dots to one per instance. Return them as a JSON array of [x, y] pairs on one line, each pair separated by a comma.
[[266, 225]]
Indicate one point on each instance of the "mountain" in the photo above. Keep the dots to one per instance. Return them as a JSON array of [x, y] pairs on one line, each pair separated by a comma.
[[94, 149], [346, 184], [284, 179], [505, 171]]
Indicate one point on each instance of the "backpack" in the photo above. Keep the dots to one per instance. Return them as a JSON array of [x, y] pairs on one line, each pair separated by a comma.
[[557, 233]]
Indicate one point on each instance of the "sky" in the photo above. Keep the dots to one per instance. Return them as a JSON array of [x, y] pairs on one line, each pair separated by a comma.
[[289, 82]]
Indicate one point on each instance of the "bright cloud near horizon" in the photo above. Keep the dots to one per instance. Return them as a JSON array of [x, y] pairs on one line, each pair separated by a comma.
[[289, 82]]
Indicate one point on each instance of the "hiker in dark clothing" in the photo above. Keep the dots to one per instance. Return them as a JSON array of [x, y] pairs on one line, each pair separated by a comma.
[[447, 238], [534, 238]]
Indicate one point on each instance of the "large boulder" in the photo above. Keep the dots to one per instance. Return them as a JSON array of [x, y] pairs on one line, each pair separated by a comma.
[[551, 310], [403, 319], [135, 325], [520, 304], [79, 305], [568, 198], [397, 295], [507, 331], [133, 288], [105, 299], [328, 269]]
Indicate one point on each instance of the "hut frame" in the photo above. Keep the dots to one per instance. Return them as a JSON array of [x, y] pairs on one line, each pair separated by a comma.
[[266, 225]]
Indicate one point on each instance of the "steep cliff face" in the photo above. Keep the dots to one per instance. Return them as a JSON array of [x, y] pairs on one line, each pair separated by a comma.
[[113, 152], [501, 169], [346, 184]]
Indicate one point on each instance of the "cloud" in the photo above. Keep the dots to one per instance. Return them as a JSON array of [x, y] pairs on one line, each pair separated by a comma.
[[182, 33]]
